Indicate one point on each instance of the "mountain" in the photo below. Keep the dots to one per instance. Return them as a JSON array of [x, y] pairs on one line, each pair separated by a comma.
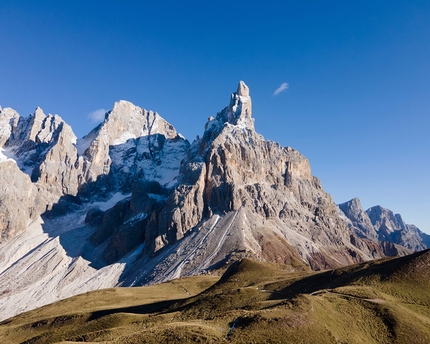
[[133, 203], [380, 224], [382, 301], [131, 143], [51, 183]]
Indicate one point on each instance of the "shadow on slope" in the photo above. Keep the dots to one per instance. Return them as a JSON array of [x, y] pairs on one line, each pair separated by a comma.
[[413, 269]]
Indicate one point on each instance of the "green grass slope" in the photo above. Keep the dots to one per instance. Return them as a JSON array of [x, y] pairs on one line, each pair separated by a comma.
[[384, 301]]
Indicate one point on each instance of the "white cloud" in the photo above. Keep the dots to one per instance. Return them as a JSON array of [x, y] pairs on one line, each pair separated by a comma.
[[281, 88], [98, 115]]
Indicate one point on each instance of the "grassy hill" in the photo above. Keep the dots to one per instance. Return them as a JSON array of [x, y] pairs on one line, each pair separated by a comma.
[[384, 301]]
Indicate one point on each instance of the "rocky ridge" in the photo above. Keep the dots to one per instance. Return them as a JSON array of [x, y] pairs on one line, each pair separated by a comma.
[[381, 224], [132, 143]]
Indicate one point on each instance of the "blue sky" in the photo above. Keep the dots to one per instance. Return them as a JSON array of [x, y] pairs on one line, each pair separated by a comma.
[[358, 74]]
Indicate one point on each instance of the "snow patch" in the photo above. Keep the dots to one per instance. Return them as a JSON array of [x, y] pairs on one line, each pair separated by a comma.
[[7, 155], [105, 205], [136, 218], [124, 138], [156, 197]]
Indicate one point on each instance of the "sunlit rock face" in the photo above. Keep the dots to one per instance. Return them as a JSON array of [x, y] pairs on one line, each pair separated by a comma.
[[234, 169], [132, 141]]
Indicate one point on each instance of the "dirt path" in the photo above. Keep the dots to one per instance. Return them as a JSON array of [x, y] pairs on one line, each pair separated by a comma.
[[328, 291]]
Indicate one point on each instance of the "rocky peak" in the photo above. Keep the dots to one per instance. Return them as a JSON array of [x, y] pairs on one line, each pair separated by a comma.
[[129, 139], [359, 218], [132, 143], [237, 195], [36, 123], [392, 228], [240, 108], [8, 121], [127, 121], [238, 113], [233, 173], [384, 218]]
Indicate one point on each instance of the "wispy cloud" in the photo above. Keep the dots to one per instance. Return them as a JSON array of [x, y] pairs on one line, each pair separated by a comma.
[[97, 116], [281, 88]]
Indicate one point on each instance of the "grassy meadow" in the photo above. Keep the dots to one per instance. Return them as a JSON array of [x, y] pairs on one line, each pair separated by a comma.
[[383, 301]]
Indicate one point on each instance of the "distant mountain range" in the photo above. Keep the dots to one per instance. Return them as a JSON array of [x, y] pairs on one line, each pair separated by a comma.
[[134, 203]]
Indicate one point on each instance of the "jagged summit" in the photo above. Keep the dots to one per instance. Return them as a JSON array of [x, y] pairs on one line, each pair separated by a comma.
[[126, 121], [237, 113], [240, 108], [242, 89], [131, 143], [258, 190], [360, 220], [380, 224]]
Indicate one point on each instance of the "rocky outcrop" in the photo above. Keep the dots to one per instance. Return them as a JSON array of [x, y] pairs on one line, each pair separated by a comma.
[[43, 146], [126, 122], [132, 143], [9, 119], [382, 225], [122, 228]]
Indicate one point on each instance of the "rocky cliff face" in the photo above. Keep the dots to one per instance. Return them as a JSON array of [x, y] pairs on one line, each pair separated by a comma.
[[39, 147], [232, 169], [359, 218], [132, 143], [20, 201], [43, 147]]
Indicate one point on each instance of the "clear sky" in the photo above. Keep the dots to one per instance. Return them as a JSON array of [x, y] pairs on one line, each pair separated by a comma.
[[357, 103]]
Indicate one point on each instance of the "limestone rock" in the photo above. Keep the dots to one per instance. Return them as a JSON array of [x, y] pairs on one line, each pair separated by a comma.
[[44, 148], [8, 122], [19, 201], [132, 203]]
